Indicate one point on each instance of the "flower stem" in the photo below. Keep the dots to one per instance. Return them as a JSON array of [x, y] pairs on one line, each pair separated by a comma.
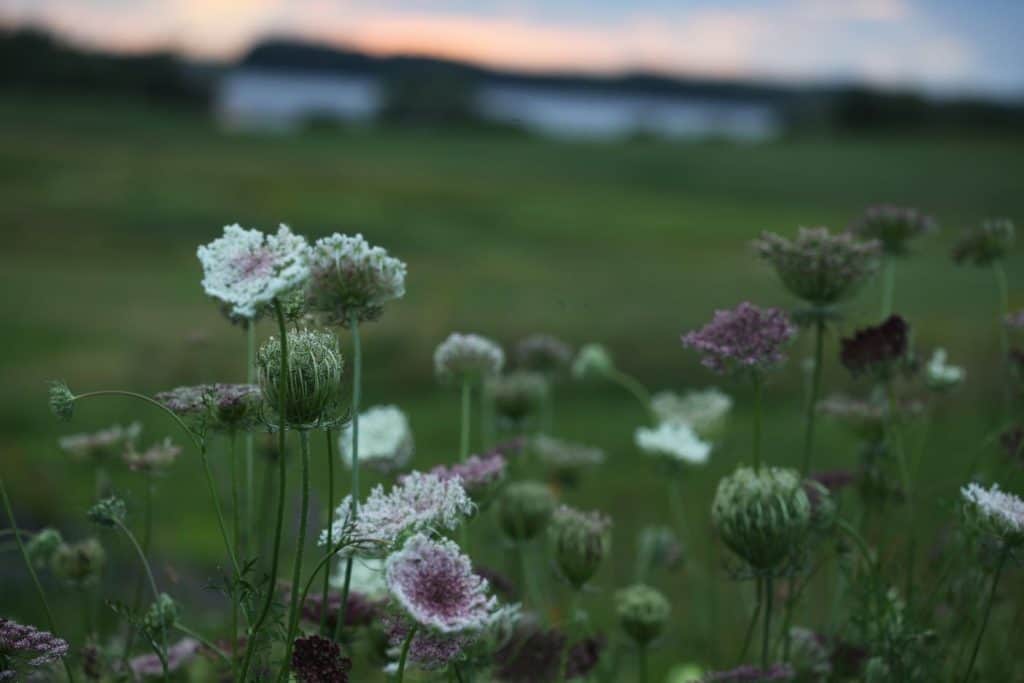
[[812, 412], [888, 285], [330, 527], [250, 471], [212, 486], [466, 410], [532, 587], [641, 663], [766, 632], [895, 439], [152, 584], [293, 609], [1004, 340], [757, 421], [31, 571], [192, 633], [633, 386], [281, 492], [236, 535], [405, 654], [146, 399], [988, 611], [139, 584], [753, 622], [357, 380]]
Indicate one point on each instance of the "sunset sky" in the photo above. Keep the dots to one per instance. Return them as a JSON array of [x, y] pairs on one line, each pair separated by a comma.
[[941, 45]]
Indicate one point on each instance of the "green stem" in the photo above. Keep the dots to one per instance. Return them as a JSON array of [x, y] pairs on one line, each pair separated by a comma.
[[405, 654], [139, 584], [212, 486], [293, 610], [152, 584], [888, 285], [51, 624], [634, 387], [146, 399], [895, 439], [757, 420], [859, 541], [532, 587], [753, 623], [812, 411], [641, 663], [330, 526], [236, 534], [281, 493], [192, 633], [466, 409], [1004, 340], [357, 381], [766, 632], [988, 611], [250, 466]]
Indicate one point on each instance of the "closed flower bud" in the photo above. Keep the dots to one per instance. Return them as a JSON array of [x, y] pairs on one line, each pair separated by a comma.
[[42, 547], [108, 512], [989, 242], [582, 541], [517, 396], [524, 509], [642, 611], [593, 360], [79, 564], [545, 354], [314, 376], [62, 401], [762, 515], [162, 614], [660, 548]]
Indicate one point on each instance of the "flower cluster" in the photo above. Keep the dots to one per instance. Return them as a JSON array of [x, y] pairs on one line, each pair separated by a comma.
[[675, 440], [316, 659], [704, 410], [1000, 513], [246, 269], [752, 674], [107, 443], [745, 338], [480, 475], [940, 375], [79, 565], [467, 357], [385, 439], [877, 350], [643, 612], [582, 540], [233, 406], [24, 648], [313, 381], [429, 650], [819, 267], [893, 226], [351, 280], [517, 396], [524, 509], [158, 456], [543, 353], [419, 502], [989, 242]]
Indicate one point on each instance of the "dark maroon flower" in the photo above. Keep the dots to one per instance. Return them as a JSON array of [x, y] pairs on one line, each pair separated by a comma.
[[746, 337], [360, 610], [893, 226], [532, 655], [499, 583], [316, 659], [752, 674], [876, 349], [847, 659], [584, 656], [1012, 441], [835, 480]]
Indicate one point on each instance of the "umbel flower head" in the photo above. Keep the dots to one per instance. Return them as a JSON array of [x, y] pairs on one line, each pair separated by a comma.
[[162, 613], [41, 547], [467, 357], [434, 583], [61, 400], [316, 659], [893, 226], [642, 611], [674, 440], [660, 547], [704, 410], [524, 509], [429, 650], [385, 439], [103, 445], [349, 279], [592, 360], [109, 512], [544, 353], [745, 338], [313, 381], [480, 475], [989, 242], [419, 502], [752, 674], [247, 269], [877, 350], [79, 564], [234, 406], [25, 649], [566, 460], [819, 267], [997, 512], [762, 515], [159, 456], [1015, 321], [940, 375], [582, 540], [517, 396]]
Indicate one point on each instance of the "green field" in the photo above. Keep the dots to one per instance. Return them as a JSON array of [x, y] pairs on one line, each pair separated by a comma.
[[631, 243]]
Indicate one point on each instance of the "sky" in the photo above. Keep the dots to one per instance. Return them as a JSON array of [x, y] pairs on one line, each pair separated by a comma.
[[941, 46]]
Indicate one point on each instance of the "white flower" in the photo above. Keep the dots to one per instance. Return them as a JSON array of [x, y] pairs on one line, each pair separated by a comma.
[[385, 439], [111, 442], [467, 356], [247, 269], [419, 502], [675, 440], [941, 376], [350, 278], [704, 410], [1001, 512], [367, 577]]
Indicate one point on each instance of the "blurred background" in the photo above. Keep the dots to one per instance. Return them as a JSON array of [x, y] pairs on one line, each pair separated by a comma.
[[595, 170]]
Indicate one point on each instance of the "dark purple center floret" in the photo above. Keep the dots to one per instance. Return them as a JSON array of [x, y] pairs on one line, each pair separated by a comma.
[[876, 348]]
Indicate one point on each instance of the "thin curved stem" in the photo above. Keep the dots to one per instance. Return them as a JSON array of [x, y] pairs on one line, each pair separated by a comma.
[[405, 654], [767, 631], [633, 386], [895, 439], [888, 285], [1004, 339], [812, 412], [250, 466], [862, 546], [31, 571], [281, 493], [357, 381], [293, 609], [152, 584], [152, 401], [641, 663], [212, 486], [206, 642], [330, 527], [753, 623], [236, 515], [988, 611], [140, 583]]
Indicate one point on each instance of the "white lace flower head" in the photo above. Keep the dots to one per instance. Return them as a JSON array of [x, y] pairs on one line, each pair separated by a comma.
[[1000, 512], [467, 356], [367, 577], [675, 440], [705, 410], [940, 375], [246, 269], [385, 439], [419, 502], [434, 583], [351, 278]]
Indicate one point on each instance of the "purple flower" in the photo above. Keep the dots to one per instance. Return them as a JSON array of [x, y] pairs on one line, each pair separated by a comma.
[[1012, 441], [876, 349], [316, 659], [434, 583], [835, 480], [178, 655], [893, 226], [545, 354], [360, 610], [532, 655], [1015, 320], [584, 656], [26, 647], [479, 474], [746, 337], [428, 650], [752, 674], [985, 244]]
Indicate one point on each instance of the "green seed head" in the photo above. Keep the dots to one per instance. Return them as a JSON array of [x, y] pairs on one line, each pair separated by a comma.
[[162, 614], [42, 547], [80, 564], [108, 512], [312, 385], [62, 401], [643, 612], [524, 509], [582, 541]]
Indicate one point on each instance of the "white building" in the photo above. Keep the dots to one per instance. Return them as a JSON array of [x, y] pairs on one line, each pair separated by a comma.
[[283, 100]]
